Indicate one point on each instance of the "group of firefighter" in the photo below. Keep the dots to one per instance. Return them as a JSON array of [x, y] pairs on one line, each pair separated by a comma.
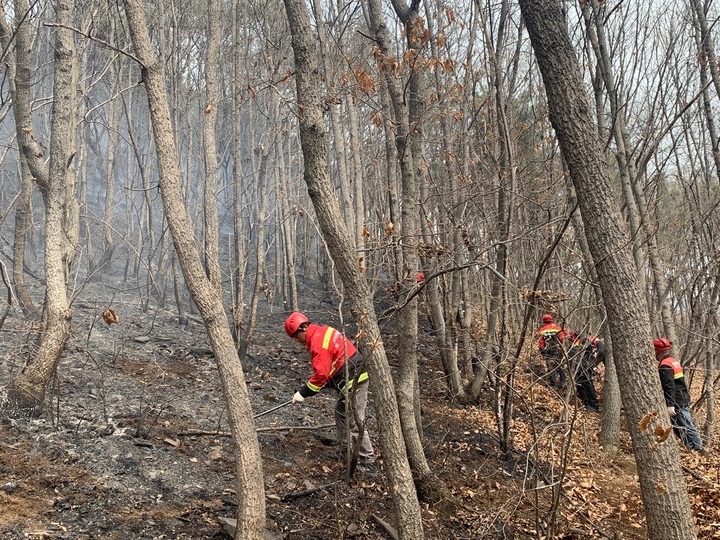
[[337, 364], [565, 349]]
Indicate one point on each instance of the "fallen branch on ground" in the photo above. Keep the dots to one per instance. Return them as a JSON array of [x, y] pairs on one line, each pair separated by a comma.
[[201, 432], [385, 525], [305, 492]]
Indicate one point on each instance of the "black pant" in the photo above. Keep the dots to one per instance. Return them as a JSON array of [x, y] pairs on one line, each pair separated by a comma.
[[586, 389]]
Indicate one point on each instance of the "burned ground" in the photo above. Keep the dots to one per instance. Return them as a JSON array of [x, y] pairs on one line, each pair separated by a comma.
[[134, 444]]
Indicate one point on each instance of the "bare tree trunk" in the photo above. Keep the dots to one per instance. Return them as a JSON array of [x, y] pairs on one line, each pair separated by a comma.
[[611, 423], [57, 184], [287, 233], [260, 286], [392, 160], [108, 234], [358, 180], [340, 245], [250, 488], [210, 113], [609, 436], [707, 44], [710, 371], [667, 510], [19, 84], [444, 321], [596, 33], [23, 221], [635, 196], [338, 137], [708, 63], [178, 289], [505, 183], [238, 293], [407, 145]]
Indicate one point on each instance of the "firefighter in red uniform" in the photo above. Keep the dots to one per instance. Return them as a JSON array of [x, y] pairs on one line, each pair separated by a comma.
[[329, 350], [550, 338], [677, 397]]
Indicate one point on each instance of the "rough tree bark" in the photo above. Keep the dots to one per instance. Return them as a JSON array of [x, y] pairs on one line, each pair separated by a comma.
[[26, 392], [340, 245], [661, 480], [250, 485], [210, 114], [19, 85], [238, 293], [403, 117]]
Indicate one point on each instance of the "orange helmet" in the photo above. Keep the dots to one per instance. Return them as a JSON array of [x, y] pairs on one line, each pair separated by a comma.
[[547, 318], [294, 322], [662, 344]]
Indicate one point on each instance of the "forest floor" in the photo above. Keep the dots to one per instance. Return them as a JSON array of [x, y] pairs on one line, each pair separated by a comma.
[[134, 445]]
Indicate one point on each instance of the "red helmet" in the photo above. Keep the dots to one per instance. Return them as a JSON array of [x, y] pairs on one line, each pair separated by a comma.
[[547, 318], [293, 323], [662, 344]]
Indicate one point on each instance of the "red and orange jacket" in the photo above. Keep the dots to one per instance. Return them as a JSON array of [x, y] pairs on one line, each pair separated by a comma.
[[328, 351], [673, 383], [546, 332]]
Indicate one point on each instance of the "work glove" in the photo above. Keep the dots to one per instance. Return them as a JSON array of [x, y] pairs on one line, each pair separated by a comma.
[[297, 398], [671, 411]]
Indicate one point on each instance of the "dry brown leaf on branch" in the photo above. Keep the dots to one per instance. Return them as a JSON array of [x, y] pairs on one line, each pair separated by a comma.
[[643, 424], [110, 317], [662, 433]]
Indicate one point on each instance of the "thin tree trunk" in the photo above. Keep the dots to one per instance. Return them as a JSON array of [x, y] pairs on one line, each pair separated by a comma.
[[108, 232], [210, 113], [260, 264], [635, 196], [19, 84], [444, 330], [340, 245], [358, 181], [407, 146], [505, 182], [707, 44], [250, 482], [333, 102], [710, 370], [287, 229], [238, 218]]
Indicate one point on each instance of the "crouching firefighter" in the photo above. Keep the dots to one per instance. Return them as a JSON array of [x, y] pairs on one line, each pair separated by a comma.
[[330, 351]]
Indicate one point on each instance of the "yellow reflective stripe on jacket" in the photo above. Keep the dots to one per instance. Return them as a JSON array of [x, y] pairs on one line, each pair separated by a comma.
[[314, 388], [670, 362], [361, 379], [328, 335]]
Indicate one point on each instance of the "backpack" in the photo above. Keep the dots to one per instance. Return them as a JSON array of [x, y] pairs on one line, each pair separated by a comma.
[[551, 341]]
